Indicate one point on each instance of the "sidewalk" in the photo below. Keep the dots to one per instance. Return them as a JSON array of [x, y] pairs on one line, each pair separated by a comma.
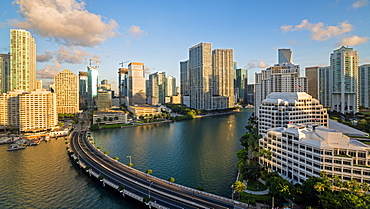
[[257, 192]]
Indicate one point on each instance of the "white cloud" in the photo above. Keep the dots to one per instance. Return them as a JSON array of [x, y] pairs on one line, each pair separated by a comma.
[[262, 64], [49, 71], [319, 31], [45, 57], [73, 56], [65, 21], [136, 31], [250, 65], [353, 41], [359, 3]]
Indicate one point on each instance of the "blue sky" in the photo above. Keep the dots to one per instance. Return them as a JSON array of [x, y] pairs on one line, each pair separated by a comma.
[[159, 33]]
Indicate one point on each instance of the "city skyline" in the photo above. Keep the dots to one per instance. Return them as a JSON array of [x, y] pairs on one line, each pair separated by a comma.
[[114, 33]]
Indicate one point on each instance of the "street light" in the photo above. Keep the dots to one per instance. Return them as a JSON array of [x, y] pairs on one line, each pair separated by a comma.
[[130, 159], [149, 188]]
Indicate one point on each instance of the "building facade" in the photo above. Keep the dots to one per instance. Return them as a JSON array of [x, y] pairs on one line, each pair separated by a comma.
[[281, 109], [104, 100], [92, 85], [171, 86], [285, 56], [184, 78], [201, 81], [136, 83], [122, 84], [300, 152], [4, 73], [324, 86], [66, 88], [223, 74], [241, 83], [29, 111], [312, 74], [82, 83], [364, 85], [22, 61], [157, 88], [278, 78], [344, 75]]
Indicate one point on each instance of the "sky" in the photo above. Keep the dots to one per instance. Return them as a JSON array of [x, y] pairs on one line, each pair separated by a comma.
[[160, 33]]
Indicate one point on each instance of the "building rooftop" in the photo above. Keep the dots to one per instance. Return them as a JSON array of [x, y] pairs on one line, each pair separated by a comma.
[[286, 97]]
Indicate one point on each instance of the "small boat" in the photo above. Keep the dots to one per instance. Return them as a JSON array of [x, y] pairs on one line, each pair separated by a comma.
[[16, 147]]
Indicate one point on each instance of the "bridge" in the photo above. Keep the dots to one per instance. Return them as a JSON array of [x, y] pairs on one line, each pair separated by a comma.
[[155, 192]]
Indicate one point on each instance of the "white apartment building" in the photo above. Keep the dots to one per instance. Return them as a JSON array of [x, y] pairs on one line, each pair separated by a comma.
[[364, 85], [344, 75], [300, 152], [223, 75], [22, 61], [66, 88], [281, 109], [157, 88], [29, 111], [325, 86], [201, 80]]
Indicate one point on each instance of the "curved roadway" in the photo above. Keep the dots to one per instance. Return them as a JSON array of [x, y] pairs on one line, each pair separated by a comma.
[[161, 192]]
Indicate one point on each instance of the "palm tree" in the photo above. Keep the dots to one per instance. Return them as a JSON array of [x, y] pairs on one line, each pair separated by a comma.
[[239, 187], [100, 177], [115, 158], [106, 152], [365, 187]]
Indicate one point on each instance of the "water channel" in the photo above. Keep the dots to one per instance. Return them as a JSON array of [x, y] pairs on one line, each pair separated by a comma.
[[199, 152]]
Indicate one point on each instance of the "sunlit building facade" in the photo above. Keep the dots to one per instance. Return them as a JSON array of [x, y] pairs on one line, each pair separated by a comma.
[[66, 88]]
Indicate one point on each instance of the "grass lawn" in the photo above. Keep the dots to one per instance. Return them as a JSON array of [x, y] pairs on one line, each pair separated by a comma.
[[252, 199], [255, 186], [115, 125]]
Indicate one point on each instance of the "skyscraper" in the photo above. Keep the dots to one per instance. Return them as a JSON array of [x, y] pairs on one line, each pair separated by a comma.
[[170, 86], [157, 88], [136, 83], [22, 60], [285, 56], [122, 84], [364, 85], [66, 88], [184, 78], [92, 85], [241, 82], [200, 67], [324, 86], [223, 74], [344, 75], [83, 78], [4, 72]]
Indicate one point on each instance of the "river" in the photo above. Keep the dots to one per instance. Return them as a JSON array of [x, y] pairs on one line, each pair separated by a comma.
[[199, 152]]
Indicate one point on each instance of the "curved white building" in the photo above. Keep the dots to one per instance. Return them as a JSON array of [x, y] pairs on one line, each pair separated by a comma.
[[281, 109]]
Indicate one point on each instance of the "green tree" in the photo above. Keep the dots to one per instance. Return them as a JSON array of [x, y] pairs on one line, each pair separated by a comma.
[[171, 179], [106, 152], [121, 188], [148, 171], [115, 158], [101, 177], [279, 188], [239, 187], [251, 171], [98, 120], [110, 119], [105, 118]]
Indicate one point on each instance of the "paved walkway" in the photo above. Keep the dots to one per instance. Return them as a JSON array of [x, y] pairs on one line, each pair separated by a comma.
[[257, 192]]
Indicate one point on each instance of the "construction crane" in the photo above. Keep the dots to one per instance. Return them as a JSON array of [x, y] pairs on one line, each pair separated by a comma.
[[95, 60], [121, 63]]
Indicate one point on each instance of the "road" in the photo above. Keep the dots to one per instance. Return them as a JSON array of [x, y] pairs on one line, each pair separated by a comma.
[[161, 192]]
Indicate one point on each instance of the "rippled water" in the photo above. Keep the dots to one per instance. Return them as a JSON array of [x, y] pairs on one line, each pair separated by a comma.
[[197, 152]]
